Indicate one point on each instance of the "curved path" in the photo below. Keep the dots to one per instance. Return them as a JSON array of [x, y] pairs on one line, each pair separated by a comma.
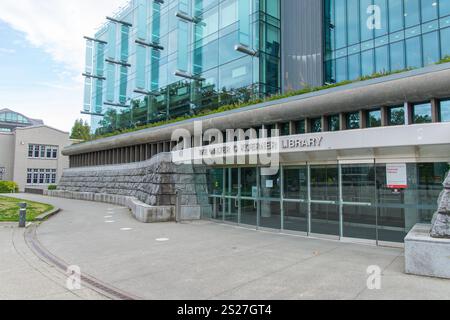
[[203, 260]]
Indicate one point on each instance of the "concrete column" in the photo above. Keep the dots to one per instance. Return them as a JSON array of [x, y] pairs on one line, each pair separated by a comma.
[[342, 121], [435, 110], [324, 123], [384, 116], [362, 119], [409, 116], [307, 125], [291, 128]]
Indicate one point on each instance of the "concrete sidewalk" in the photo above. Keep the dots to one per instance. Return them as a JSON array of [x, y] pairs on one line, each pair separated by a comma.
[[23, 276], [204, 260]]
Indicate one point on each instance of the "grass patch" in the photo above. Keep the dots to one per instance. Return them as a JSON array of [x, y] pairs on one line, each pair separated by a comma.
[[9, 209]]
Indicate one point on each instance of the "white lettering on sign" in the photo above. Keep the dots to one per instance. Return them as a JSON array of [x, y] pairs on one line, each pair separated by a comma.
[[396, 176]]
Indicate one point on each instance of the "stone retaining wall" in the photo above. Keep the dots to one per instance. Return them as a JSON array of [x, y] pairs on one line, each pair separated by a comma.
[[154, 183]]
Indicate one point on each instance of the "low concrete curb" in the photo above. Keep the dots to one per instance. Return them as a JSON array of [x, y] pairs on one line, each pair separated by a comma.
[[141, 211], [47, 215]]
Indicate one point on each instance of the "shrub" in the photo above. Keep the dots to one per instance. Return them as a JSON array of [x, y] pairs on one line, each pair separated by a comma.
[[52, 187], [8, 187]]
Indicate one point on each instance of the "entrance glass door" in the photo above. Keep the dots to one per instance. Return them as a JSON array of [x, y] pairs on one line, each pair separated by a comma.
[[295, 199], [249, 197], [232, 192], [359, 213], [325, 219], [215, 180], [270, 205]]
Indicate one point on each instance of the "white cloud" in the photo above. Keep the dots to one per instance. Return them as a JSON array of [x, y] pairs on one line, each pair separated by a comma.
[[58, 26], [7, 51]]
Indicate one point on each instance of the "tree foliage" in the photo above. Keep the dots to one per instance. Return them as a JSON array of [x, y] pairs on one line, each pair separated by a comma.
[[81, 130]]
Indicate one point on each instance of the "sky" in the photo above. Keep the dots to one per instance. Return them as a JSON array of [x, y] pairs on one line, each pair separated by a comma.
[[42, 53]]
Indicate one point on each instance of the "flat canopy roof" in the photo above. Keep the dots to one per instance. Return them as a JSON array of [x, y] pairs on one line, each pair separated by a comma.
[[411, 86]]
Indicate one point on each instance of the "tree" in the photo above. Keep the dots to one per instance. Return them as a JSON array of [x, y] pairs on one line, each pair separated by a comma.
[[81, 130]]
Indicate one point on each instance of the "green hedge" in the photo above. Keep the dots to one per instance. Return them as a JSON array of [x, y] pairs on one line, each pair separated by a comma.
[[52, 187], [8, 187]]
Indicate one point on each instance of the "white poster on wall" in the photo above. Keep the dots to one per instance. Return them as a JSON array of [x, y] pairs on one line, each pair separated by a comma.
[[396, 176]]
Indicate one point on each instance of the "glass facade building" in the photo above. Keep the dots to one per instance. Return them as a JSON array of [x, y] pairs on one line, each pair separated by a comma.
[[363, 37], [160, 60], [338, 200]]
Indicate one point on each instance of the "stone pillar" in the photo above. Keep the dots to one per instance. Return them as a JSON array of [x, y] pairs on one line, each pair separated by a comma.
[[384, 116], [435, 110]]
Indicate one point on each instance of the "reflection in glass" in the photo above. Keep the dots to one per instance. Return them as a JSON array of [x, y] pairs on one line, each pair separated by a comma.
[[396, 116], [444, 111], [422, 113], [374, 118], [295, 216]]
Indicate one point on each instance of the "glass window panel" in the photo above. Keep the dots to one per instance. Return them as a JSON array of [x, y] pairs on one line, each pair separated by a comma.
[[374, 118], [111, 74], [382, 59], [382, 5], [295, 216], [341, 69], [183, 45], [142, 20], [444, 8], [244, 21], [422, 113], [367, 63], [366, 32], [324, 183], [340, 23], [316, 125], [354, 67], [228, 13], [444, 112], [353, 21], [412, 12], [87, 94], [141, 55], [125, 30], [396, 116], [413, 52], [112, 40], [445, 42], [398, 56], [430, 48], [429, 10], [300, 127], [353, 120], [396, 15], [334, 123], [296, 183]]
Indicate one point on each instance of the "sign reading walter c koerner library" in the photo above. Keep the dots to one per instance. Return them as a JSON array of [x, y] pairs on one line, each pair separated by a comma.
[[299, 143], [396, 176]]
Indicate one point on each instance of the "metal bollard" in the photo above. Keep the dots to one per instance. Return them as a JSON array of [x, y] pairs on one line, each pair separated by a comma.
[[178, 207], [22, 215]]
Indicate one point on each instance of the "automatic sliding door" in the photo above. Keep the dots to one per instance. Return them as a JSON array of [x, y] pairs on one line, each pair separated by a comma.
[[249, 196], [324, 200], [215, 180], [270, 201], [231, 209], [295, 206], [358, 196]]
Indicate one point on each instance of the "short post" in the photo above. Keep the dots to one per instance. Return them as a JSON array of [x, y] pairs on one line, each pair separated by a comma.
[[22, 215], [178, 207]]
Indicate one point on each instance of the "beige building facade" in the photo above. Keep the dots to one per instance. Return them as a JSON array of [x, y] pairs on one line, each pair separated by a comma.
[[31, 156]]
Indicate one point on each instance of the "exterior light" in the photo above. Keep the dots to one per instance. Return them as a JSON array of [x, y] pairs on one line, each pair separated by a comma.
[[246, 50]]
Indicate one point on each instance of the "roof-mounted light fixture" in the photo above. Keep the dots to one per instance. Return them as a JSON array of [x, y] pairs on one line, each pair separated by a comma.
[[119, 21], [95, 40], [123, 64], [148, 44], [244, 49], [92, 114], [186, 75], [147, 93], [118, 105], [186, 17], [87, 75]]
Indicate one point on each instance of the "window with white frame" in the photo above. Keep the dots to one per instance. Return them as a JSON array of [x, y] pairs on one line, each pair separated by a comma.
[[41, 176], [37, 151]]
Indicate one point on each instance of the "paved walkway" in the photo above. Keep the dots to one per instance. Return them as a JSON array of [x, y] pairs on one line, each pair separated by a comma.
[[24, 276], [205, 260]]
